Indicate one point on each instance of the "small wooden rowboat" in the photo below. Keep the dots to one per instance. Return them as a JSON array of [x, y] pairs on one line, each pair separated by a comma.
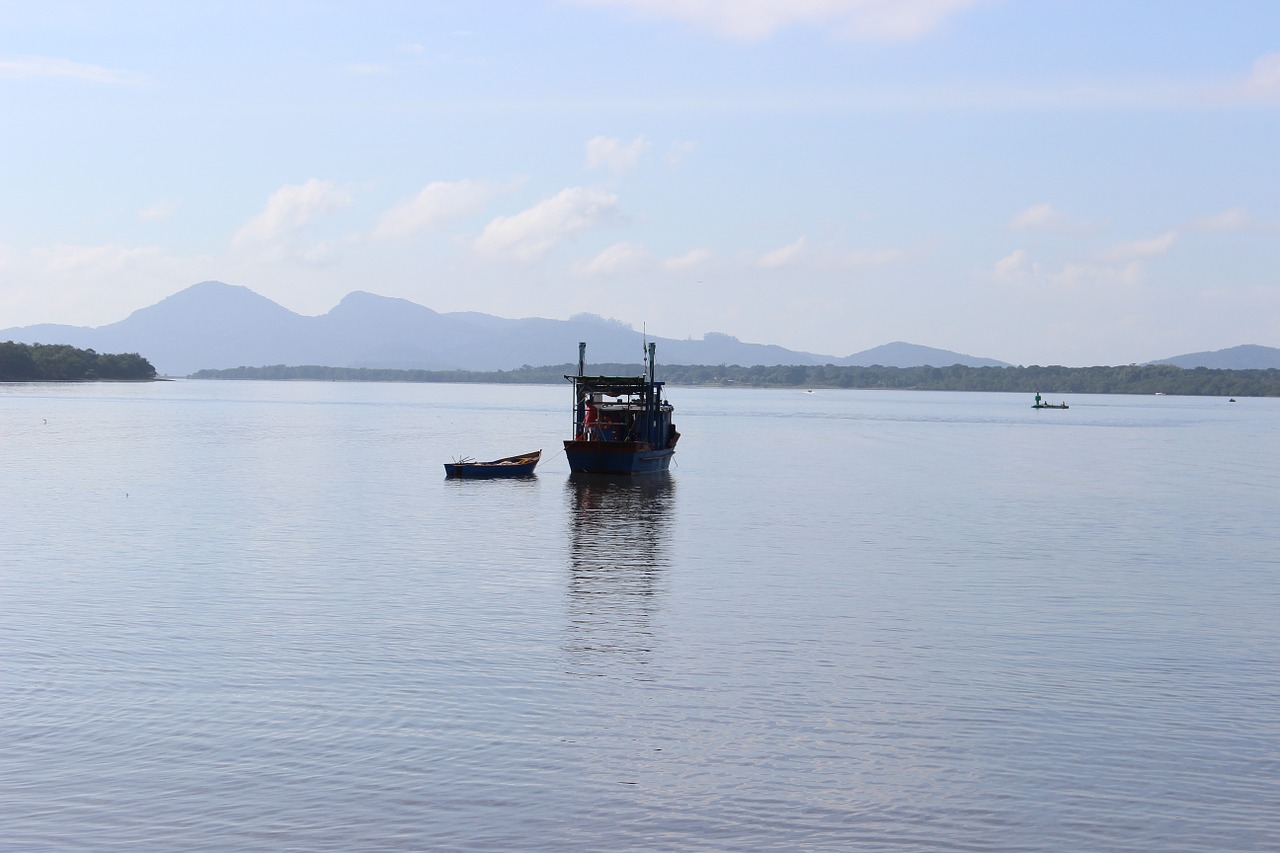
[[509, 466]]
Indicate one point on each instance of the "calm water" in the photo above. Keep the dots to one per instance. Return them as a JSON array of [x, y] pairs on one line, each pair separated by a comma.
[[239, 616]]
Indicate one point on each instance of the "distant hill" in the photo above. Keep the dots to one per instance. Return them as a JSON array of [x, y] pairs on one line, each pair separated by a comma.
[[212, 325], [899, 354], [1245, 357]]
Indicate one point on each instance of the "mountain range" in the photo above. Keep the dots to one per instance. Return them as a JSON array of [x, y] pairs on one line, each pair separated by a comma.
[[212, 325]]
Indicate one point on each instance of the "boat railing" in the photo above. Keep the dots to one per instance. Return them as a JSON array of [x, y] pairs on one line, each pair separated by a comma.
[[608, 432]]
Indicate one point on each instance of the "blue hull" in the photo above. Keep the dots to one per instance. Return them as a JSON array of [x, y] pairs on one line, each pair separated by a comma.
[[511, 466], [487, 472], [616, 457]]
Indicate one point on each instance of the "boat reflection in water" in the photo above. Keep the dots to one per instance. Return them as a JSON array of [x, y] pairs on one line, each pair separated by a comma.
[[618, 555]]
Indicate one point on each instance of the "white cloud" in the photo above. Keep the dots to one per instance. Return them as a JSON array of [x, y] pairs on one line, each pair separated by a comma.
[[1045, 217], [620, 257], [90, 261], [756, 20], [322, 253], [1151, 247], [680, 151], [828, 256], [783, 256], [610, 153], [157, 211], [1013, 266], [69, 283], [84, 285], [1078, 275], [64, 69], [530, 234], [1036, 216], [437, 203], [1121, 264], [367, 69], [1264, 80], [1019, 268], [689, 259], [291, 208], [1262, 85], [1235, 221], [867, 258]]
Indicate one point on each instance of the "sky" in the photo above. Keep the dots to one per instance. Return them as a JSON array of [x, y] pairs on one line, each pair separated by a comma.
[[1075, 182]]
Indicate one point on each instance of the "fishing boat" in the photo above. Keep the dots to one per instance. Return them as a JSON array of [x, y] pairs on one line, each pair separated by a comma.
[[621, 424], [509, 466], [1040, 404]]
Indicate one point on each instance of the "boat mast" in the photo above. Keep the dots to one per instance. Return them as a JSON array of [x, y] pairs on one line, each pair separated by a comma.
[[579, 399]]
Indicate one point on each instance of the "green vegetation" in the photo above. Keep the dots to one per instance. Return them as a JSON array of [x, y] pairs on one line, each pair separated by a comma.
[[60, 362], [1131, 379], [525, 375]]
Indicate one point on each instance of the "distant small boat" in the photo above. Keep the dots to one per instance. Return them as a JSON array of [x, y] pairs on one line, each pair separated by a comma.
[[1040, 404], [509, 466]]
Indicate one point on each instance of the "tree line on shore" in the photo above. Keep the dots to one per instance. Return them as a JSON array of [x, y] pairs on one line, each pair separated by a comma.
[[61, 362], [1129, 379]]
